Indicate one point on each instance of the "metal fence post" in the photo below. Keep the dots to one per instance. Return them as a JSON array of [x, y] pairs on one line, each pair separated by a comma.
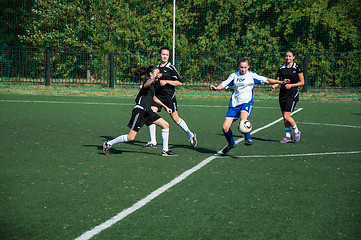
[[111, 70], [305, 72], [47, 67]]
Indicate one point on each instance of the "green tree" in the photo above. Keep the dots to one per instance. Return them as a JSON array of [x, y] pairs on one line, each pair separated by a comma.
[[14, 20], [75, 23]]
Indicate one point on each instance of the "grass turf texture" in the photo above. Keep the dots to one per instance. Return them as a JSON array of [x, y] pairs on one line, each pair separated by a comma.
[[55, 183]]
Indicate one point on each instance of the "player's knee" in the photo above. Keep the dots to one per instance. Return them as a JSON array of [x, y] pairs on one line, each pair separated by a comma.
[[165, 125], [225, 128]]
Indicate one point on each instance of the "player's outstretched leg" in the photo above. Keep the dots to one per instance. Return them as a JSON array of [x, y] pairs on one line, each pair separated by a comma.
[[106, 148], [192, 136], [108, 144]]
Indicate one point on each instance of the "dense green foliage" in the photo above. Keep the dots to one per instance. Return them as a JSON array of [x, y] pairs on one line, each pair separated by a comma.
[[211, 35], [202, 25]]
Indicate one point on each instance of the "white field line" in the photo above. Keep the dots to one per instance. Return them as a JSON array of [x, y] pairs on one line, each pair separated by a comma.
[[293, 155], [141, 203], [331, 124], [120, 104]]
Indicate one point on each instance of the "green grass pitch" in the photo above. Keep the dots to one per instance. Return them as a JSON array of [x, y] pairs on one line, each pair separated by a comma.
[[55, 182]]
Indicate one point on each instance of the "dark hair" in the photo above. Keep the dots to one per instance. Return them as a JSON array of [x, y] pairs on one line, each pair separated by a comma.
[[144, 70], [244, 60], [291, 51], [163, 48]]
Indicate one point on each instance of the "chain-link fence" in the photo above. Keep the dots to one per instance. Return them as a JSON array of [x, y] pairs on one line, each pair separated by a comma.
[[197, 69]]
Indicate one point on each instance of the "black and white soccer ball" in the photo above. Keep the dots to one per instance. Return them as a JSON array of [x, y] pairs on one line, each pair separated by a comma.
[[244, 126]]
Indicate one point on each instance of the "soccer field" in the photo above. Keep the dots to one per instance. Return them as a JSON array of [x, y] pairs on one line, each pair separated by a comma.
[[56, 183]]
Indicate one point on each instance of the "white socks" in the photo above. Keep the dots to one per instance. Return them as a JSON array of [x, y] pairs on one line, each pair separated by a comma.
[[123, 138], [184, 126], [295, 129], [288, 131], [181, 123], [120, 139], [153, 136], [165, 138]]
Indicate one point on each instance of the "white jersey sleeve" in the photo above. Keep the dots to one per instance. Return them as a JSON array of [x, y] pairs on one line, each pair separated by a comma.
[[258, 79], [229, 82]]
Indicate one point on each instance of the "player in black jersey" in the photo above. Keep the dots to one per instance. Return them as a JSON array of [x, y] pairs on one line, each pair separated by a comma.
[[289, 94], [166, 93], [143, 114]]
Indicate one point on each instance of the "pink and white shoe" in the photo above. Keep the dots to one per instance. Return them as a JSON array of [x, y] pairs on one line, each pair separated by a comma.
[[297, 136], [286, 140]]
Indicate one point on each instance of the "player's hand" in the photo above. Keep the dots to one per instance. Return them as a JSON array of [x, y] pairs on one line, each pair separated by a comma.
[[169, 110], [288, 86], [162, 82], [213, 88], [273, 87], [140, 86], [286, 81]]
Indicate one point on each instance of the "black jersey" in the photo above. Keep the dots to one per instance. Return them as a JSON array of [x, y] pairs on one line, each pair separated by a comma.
[[169, 72], [145, 96], [289, 73]]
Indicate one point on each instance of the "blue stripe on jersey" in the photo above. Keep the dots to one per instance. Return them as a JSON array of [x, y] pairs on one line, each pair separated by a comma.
[[256, 81]]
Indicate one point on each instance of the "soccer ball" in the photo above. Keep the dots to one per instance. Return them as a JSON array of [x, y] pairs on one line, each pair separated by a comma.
[[244, 126]]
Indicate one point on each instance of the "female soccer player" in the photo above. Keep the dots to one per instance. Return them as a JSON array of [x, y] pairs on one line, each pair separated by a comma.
[[143, 114], [288, 96], [168, 80], [241, 102]]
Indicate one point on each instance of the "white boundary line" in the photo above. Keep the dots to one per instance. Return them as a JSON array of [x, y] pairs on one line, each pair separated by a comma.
[[330, 124], [141, 203], [120, 104], [293, 155]]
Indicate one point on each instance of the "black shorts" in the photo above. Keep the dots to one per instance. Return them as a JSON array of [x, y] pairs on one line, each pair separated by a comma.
[[141, 117], [288, 99], [288, 104], [171, 103]]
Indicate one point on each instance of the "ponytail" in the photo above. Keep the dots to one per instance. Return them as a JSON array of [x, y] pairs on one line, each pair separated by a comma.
[[144, 70]]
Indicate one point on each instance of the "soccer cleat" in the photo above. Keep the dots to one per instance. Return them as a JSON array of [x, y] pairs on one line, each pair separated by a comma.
[[286, 140], [248, 142], [150, 145], [193, 140], [297, 136], [229, 147], [169, 153], [106, 148]]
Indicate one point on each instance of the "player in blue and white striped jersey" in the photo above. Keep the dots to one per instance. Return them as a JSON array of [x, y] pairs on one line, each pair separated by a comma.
[[241, 102]]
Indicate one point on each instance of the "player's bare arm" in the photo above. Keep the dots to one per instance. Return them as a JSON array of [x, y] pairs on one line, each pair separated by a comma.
[[213, 88], [145, 85], [170, 82], [300, 83], [156, 100], [274, 81]]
